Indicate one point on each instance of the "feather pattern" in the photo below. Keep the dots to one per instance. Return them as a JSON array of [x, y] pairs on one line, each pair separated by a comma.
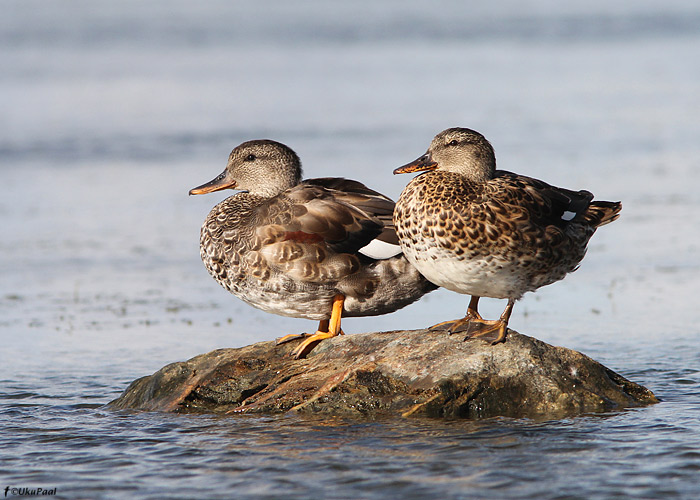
[[491, 233], [291, 250]]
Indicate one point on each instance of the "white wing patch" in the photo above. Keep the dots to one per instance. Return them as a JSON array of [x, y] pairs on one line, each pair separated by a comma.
[[567, 216], [377, 249]]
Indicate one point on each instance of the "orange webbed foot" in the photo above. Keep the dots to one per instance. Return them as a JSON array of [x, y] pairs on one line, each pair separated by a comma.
[[492, 332]]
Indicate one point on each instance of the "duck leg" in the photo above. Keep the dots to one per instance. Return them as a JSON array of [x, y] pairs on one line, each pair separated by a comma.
[[493, 331], [332, 330], [322, 327], [460, 325]]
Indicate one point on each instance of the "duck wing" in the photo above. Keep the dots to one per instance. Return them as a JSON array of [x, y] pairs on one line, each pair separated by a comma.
[[358, 195], [314, 231], [544, 204]]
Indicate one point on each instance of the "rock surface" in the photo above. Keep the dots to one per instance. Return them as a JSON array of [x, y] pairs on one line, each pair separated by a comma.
[[400, 373]]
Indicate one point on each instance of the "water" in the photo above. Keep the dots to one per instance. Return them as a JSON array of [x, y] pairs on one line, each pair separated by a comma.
[[111, 112]]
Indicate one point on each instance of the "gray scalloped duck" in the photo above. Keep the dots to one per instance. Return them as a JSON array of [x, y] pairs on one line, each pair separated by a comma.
[[313, 249], [484, 232]]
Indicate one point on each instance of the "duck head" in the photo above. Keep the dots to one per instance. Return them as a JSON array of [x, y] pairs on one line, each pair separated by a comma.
[[460, 150], [261, 167]]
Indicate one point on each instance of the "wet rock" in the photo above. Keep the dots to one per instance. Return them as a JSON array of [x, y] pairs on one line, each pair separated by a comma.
[[400, 373]]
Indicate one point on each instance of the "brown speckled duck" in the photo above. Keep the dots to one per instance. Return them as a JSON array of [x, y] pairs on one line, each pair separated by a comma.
[[490, 233], [313, 249]]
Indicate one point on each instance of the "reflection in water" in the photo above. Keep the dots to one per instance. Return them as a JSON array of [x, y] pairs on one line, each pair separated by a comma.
[[381, 457]]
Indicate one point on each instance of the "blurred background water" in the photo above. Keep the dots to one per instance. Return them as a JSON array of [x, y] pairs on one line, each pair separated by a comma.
[[112, 111]]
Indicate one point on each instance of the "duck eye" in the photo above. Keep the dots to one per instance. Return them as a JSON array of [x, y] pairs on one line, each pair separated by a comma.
[[453, 142], [250, 157]]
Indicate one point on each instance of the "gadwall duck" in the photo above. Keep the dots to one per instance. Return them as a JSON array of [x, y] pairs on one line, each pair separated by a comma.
[[313, 249], [484, 232]]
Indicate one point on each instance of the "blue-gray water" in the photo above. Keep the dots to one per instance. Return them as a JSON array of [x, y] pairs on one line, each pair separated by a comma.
[[111, 112]]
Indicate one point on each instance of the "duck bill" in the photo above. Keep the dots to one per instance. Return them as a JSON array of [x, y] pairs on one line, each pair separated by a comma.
[[217, 184], [421, 164]]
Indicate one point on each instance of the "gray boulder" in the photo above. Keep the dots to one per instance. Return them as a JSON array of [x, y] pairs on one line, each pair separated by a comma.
[[399, 373]]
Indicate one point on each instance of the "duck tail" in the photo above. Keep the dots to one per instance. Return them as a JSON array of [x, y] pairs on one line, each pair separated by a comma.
[[600, 213], [400, 283], [399, 273]]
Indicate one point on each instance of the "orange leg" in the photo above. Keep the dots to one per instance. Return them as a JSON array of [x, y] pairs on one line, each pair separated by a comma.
[[332, 330], [460, 325]]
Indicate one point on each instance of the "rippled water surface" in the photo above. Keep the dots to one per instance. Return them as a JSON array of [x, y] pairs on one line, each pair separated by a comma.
[[113, 111]]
